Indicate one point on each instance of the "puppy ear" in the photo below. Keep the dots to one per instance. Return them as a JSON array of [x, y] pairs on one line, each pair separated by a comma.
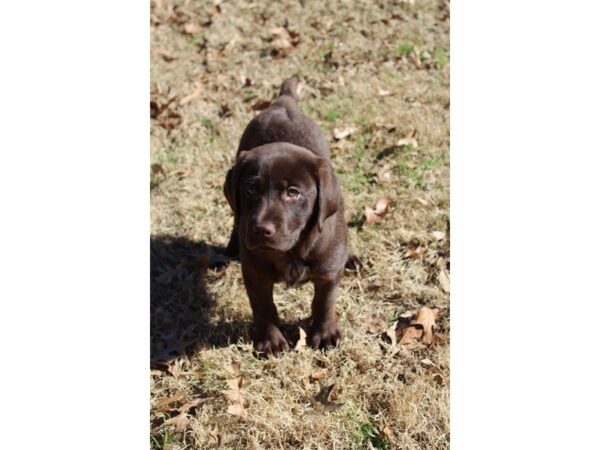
[[329, 196], [232, 181]]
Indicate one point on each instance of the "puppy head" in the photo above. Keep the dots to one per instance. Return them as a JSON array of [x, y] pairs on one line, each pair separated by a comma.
[[278, 191]]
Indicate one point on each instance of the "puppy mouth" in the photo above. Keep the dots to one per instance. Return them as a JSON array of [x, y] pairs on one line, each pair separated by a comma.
[[266, 246]]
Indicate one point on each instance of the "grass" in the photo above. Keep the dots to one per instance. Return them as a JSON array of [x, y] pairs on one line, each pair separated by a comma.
[[347, 53]]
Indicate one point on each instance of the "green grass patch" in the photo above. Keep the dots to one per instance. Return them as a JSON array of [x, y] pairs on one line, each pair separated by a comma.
[[441, 55], [368, 436], [405, 49], [332, 114]]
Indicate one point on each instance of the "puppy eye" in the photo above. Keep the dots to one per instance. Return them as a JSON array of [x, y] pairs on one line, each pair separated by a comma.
[[250, 190], [293, 192]]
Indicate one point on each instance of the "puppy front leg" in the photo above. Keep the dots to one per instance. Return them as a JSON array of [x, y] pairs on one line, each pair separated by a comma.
[[269, 338], [324, 331]]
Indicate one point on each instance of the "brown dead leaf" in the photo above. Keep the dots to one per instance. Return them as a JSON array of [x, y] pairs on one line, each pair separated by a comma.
[[283, 39], [430, 366], [342, 133], [235, 383], [381, 209], [409, 139], [233, 395], [321, 401], [444, 279], [180, 421], [192, 28], [410, 334], [421, 327], [237, 410], [301, 340], [408, 314], [161, 405], [440, 338], [415, 252], [192, 404], [318, 375], [388, 431], [374, 287], [197, 92], [232, 368], [439, 235], [183, 172], [439, 379], [261, 105], [157, 168], [390, 333]]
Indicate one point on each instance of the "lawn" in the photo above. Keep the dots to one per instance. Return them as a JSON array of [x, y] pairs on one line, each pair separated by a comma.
[[376, 72]]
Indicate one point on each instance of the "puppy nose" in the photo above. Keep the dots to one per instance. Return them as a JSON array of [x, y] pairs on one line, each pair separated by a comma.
[[267, 229]]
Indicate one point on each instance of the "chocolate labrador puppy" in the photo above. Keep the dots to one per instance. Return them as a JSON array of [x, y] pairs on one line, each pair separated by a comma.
[[289, 218]]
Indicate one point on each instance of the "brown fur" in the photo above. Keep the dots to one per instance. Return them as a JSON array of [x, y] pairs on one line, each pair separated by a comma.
[[289, 218]]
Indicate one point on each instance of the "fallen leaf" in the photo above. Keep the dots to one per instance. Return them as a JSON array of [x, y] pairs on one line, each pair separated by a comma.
[[225, 111], [261, 105], [283, 38], [341, 133], [391, 333], [384, 93], [180, 421], [410, 334], [374, 287], [439, 235], [430, 366], [192, 404], [181, 172], [444, 280], [318, 375], [439, 379], [235, 383], [321, 400], [197, 92], [237, 410], [421, 327], [439, 338], [409, 139], [192, 28], [388, 431], [415, 252], [157, 168], [233, 395], [408, 314], [232, 368], [162, 404], [301, 340], [381, 209], [215, 435]]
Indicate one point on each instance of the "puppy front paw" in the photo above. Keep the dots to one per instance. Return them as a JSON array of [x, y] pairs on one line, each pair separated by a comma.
[[326, 334], [270, 340]]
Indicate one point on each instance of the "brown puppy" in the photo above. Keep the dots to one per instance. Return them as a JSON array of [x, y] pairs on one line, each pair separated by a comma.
[[289, 218]]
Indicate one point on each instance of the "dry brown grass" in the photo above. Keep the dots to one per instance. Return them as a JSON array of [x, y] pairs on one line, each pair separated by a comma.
[[347, 52]]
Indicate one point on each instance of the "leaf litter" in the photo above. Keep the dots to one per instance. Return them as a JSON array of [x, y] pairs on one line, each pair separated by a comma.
[[381, 209], [321, 401]]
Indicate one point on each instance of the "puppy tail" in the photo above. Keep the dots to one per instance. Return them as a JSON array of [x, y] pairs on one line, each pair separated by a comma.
[[288, 87]]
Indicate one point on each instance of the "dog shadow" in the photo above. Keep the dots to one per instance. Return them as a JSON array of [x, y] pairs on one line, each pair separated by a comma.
[[184, 316]]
